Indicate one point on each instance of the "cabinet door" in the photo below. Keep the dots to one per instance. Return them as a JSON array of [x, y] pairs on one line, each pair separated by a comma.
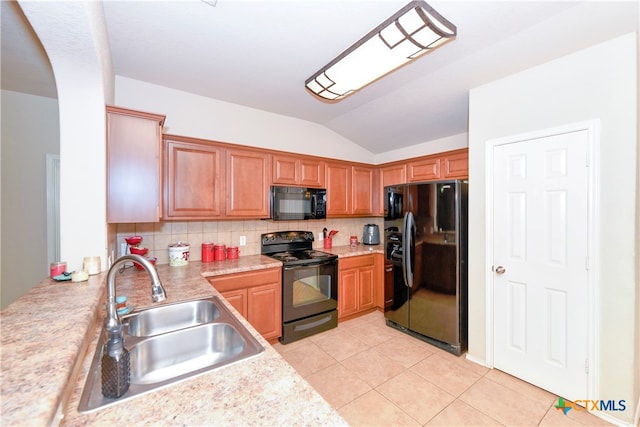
[[248, 178], [362, 190], [347, 292], [238, 299], [264, 309], [366, 295], [394, 175], [311, 173], [285, 170], [134, 184], [194, 187], [455, 165], [424, 170], [338, 179]]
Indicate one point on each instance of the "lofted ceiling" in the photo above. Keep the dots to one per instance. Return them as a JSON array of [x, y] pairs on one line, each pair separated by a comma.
[[259, 54]]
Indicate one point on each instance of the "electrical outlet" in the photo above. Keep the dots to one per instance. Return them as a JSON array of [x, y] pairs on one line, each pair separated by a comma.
[[243, 240], [320, 236]]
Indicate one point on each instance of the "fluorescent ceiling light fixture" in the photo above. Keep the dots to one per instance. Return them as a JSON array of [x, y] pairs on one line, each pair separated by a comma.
[[411, 32]]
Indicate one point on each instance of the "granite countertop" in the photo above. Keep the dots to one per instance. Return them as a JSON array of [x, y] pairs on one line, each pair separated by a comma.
[[360, 249], [49, 337]]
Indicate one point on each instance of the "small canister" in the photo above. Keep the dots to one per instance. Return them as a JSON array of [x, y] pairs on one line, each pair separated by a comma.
[[232, 252], [207, 252], [57, 268], [91, 264], [353, 241], [178, 254], [219, 252]]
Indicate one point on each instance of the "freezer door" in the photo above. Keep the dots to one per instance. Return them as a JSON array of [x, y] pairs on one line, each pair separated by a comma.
[[398, 310]]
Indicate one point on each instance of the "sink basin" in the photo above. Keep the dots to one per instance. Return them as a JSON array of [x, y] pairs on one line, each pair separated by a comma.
[[171, 343], [167, 318], [171, 355]]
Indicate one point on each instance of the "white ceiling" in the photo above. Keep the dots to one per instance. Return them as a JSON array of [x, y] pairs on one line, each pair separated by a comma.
[[259, 54]]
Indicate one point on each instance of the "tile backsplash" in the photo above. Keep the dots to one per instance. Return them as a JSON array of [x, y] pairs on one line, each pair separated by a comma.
[[158, 236]]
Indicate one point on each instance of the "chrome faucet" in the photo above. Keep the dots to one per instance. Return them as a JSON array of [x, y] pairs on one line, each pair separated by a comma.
[[157, 291]]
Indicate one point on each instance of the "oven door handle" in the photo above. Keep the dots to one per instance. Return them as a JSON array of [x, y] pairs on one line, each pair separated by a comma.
[[313, 264]]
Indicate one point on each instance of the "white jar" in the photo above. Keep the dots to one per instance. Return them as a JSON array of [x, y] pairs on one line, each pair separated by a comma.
[[91, 264], [178, 254]]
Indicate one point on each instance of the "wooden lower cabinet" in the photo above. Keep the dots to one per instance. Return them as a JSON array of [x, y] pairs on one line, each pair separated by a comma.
[[357, 281], [257, 295]]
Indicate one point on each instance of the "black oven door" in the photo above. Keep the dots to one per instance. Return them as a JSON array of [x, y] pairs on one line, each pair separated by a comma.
[[308, 290]]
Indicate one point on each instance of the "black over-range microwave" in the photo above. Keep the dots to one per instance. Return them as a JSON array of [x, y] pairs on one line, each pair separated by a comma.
[[295, 203]]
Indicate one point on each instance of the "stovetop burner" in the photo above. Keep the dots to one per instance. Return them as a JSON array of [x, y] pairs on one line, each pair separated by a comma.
[[301, 255], [293, 247], [284, 256]]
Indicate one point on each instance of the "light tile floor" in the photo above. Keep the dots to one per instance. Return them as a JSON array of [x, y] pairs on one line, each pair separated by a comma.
[[374, 375]]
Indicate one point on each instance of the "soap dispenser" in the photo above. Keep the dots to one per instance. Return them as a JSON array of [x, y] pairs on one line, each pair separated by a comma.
[[116, 368]]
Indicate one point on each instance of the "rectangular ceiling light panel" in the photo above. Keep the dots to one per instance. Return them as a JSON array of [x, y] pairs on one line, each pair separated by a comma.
[[411, 32]]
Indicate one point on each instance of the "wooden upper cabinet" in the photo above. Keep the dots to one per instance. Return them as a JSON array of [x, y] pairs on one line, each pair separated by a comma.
[[286, 170], [298, 170], [248, 183], [351, 189], [338, 180], [194, 179], [362, 193], [312, 173], [393, 175], [449, 165], [134, 166], [426, 169], [455, 164]]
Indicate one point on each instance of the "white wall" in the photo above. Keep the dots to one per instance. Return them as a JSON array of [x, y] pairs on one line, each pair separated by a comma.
[[29, 132], [79, 57], [200, 117], [448, 143], [207, 118], [596, 83]]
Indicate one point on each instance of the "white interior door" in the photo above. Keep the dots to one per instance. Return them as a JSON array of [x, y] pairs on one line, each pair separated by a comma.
[[540, 255]]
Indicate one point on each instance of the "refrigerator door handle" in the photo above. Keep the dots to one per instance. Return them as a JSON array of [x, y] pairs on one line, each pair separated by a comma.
[[407, 245]]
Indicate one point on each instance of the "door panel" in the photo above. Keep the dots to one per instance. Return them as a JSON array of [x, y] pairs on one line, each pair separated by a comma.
[[540, 237]]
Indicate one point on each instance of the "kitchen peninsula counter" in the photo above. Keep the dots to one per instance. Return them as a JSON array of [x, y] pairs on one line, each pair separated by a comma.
[[49, 337]]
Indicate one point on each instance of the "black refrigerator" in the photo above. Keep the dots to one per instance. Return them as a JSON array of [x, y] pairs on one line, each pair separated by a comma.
[[425, 231]]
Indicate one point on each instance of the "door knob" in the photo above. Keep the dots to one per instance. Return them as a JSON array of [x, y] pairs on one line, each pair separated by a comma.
[[500, 270]]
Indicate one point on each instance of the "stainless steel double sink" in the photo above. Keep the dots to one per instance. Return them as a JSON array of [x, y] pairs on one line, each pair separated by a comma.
[[170, 343]]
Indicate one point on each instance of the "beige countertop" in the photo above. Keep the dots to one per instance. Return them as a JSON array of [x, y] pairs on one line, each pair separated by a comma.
[[49, 337], [360, 249]]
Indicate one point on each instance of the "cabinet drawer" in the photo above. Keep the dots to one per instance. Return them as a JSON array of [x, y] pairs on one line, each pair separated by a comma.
[[230, 282], [355, 262]]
